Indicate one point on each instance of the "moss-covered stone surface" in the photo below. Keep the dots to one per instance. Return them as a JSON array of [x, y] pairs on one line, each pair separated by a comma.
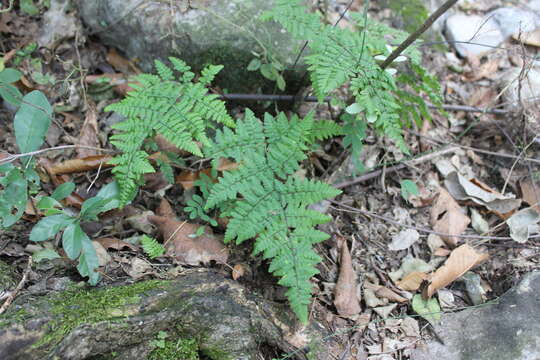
[[201, 313]]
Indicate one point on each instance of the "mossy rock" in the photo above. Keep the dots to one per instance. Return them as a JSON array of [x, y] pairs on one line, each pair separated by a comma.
[[226, 32]]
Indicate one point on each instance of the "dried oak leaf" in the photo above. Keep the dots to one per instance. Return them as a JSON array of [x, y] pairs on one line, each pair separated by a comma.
[[186, 248], [81, 165], [165, 209], [448, 218], [114, 243], [345, 292], [461, 260], [89, 134]]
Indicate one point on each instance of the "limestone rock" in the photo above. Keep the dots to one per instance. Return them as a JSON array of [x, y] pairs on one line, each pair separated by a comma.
[[226, 32], [508, 330]]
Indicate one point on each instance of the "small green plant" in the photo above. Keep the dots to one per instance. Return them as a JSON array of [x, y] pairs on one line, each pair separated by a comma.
[[386, 99], [269, 202], [151, 247], [408, 189], [31, 123], [166, 349], [75, 242], [175, 107]]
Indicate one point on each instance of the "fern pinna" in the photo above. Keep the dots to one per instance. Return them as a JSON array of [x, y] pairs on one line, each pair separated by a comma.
[[337, 56], [177, 108], [266, 201]]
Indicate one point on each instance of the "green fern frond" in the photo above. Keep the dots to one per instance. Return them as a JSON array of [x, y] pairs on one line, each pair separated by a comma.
[[178, 109], [151, 247], [269, 203]]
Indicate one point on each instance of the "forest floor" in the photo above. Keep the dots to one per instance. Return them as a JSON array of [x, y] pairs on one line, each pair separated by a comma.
[[386, 215]]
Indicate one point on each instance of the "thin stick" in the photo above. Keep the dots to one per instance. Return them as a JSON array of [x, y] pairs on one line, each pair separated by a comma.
[[378, 172], [415, 35], [268, 97], [19, 287], [11, 158], [348, 208]]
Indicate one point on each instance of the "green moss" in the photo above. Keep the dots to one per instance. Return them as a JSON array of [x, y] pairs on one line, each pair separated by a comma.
[[71, 308], [179, 348]]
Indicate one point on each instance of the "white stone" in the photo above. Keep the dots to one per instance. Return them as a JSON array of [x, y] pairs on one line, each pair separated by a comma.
[[473, 35]]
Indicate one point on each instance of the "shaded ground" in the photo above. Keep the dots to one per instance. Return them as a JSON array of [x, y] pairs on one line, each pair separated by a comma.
[[383, 329]]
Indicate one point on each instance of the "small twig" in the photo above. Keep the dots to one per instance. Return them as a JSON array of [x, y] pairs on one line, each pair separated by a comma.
[[375, 173], [481, 151], [415, 35], [19, 287], [11, 158], [268, 97], [348, 208]]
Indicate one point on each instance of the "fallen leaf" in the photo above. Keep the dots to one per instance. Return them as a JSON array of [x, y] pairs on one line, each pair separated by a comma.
[[345, 292], [384, 311], [447, 217], [103, 257], [238, 271], [463, 189], [139, 268], [181, 243], [81, 165], [386, 293], [167, 146], [165, 209], [409, 265], [120, 63], [486, 70], [141, 221], [412, 281], [89, 134], [187, 178], [523, 223], [478, 223], [428, 309], [404, 239], [461, 260], [530, 193], [116, 244]]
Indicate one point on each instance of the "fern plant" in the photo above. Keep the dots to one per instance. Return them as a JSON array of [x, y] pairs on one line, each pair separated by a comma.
[[269, 202], [178, 108], [339, 56], [151, 247]]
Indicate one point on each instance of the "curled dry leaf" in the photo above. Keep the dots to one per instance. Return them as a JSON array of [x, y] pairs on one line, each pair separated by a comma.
[[238, 271], [447, 217], [345, 292], [461, 260], [81, 165], [184, 247], [165, 209], [89, 134], [531, 193], [475, 190]]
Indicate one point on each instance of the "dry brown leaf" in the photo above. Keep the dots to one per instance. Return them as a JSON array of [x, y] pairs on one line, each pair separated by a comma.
[[226, 164], [486, 70], [448, 218], [181, 244], [531, 193], [89, 134], [345, 292], [238, 271], [167, 146], [120, 63], [116, 244], [81, 165], [187, 178], [461, 260], [155, 182], [384, 292], [412, 281], [441, 252], [165, 209]]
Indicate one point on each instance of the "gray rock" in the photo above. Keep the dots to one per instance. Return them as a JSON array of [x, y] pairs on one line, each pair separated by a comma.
[[514, 21], [226, 32], [58, 23], [472, 34], [509, 330]]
